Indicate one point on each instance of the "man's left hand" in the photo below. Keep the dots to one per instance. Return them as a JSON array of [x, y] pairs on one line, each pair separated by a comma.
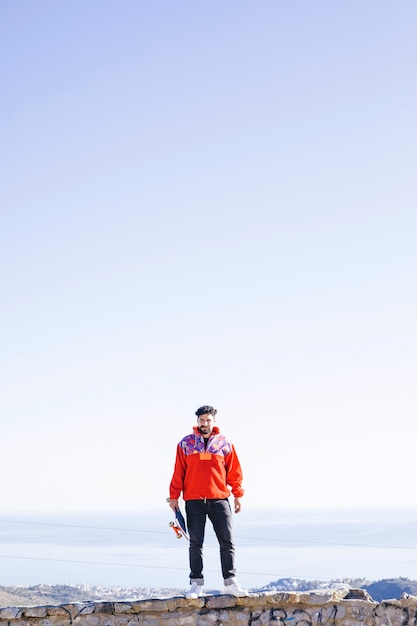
[[238, 506]]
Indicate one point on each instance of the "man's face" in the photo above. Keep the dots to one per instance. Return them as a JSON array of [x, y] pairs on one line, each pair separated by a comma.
[[205, 424]]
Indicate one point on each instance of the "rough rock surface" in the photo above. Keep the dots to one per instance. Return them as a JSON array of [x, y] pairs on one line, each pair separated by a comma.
[[348, 607]]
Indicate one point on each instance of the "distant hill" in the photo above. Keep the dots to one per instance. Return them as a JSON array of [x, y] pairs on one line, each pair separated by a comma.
[[386, 589], [391, 588], [297, 584], [44, 594], [52, 595], [41, 595]]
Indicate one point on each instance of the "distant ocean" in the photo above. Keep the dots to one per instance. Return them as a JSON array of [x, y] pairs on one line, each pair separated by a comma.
[[135, 549]]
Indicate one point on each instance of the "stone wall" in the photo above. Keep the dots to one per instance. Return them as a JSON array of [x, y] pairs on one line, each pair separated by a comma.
[[333, 608]]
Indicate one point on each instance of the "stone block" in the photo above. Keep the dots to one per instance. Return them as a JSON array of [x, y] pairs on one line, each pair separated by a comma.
[[208, 619], [35, 611], [393, 614], [85, 609], [123, 607], [168, 604], [283, 598], [10, 613], [260, 618], [220, 602], [104, 607], [316, 597], [358, 594], [94, 619], [185, 619]]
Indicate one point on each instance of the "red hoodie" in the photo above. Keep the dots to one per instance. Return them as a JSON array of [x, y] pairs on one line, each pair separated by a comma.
[[201, 472]]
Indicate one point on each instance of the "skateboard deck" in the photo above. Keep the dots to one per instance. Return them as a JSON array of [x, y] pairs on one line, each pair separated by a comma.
[[179, 525]]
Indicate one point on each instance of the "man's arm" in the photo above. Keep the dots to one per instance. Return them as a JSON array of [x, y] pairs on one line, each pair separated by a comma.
[[234, 477], [177, 482]]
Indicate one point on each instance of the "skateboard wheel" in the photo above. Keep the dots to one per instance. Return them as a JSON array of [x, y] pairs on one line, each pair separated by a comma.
[[171, 524], [179, 535]]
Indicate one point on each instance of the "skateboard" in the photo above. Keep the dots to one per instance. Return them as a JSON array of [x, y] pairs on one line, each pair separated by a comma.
[[178, 525]]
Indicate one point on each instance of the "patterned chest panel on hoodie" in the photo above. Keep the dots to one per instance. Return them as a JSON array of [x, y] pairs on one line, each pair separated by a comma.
[[193, 444]]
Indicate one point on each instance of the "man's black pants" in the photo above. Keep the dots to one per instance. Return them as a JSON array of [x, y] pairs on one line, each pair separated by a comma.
[[220, 515]]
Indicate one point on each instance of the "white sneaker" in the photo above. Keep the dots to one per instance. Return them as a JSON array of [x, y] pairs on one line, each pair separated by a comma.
[[195, 591], [235, 590]]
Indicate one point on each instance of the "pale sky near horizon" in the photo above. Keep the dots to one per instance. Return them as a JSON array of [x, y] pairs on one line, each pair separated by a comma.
[[208, 203]]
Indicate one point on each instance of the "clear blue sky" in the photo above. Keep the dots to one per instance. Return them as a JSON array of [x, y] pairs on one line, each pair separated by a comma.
[[208, 202]]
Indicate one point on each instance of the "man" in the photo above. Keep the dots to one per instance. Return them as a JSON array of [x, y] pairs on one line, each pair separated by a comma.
[[206, 463]]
